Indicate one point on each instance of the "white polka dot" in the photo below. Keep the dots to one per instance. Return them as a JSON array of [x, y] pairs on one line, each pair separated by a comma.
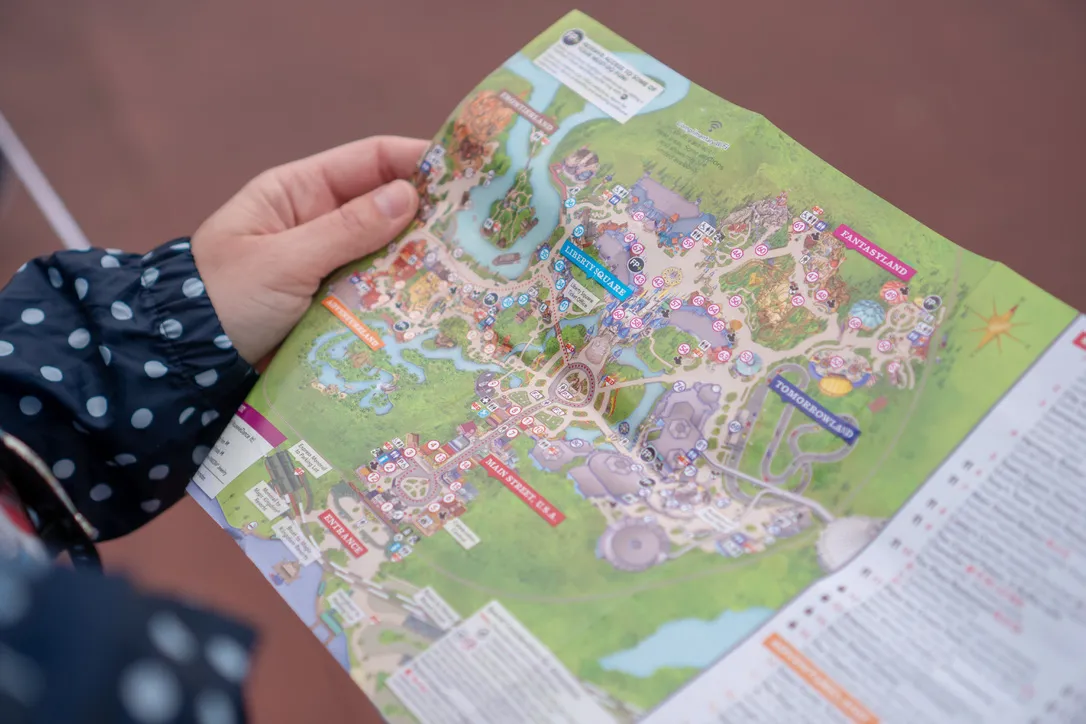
[[33, 315], [121, 311], [79, 339], [21, 679], [200, 453], [55, 278], [154, 368], [81, 287], [100, 492], [184, 245], [51, 373], [14, 599], [150, 692], [208, 417], [158, 472], [30, 406], [192, 288], [185, 415], [227, 657], [170, 329], [141, 418], [214, 707], [150, 506], [125, 459], [110, 262], [207, 378], [172, 637], [149, 277], [223, 342], [107, 356], [6, 348], [63, 469], [97, 406]]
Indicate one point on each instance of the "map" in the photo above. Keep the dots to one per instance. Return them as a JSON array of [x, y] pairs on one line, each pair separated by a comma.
[[642, 371]]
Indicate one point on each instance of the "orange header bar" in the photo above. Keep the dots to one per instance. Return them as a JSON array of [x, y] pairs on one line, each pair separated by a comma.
[[817, 680], [353, 323]]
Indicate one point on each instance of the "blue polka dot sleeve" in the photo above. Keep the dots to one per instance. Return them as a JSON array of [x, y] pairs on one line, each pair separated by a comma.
[[115, 370]]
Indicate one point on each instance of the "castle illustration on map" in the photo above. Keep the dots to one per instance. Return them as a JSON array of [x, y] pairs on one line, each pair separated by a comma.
[[630, 385]]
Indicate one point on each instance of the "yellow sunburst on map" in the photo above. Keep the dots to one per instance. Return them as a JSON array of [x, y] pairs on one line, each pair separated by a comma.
[[997, 326]]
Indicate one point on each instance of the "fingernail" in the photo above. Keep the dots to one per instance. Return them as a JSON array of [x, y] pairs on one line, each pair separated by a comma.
[[393, 199]]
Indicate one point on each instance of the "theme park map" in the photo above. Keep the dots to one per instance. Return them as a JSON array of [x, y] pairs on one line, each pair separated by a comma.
[[642, 374]]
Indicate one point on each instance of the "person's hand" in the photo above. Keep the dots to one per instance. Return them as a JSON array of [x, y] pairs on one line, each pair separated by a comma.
[[264, 254]]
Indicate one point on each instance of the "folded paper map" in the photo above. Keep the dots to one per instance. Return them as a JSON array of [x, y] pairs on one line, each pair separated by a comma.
[[654, 415]]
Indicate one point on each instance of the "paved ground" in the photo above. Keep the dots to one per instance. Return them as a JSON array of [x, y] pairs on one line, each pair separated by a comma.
[[145, 116]]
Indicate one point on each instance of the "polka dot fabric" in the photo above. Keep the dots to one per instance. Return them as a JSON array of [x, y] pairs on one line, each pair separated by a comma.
[[115, 370], [119, 656]]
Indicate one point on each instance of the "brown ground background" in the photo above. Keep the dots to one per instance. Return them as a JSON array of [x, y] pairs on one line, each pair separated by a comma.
[[967, 114]]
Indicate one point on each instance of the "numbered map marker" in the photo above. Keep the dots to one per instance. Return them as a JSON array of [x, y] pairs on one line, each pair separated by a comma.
[[455, 485], [637, 248], [855, 323], [735, 301], [885, 345], [737, 254], [409, 452], [637, 323], [489, 349], [630, 238], [893, 367], [638, 216], [578, 231], [390, 467], [527, 421], [494, 384], [440, 457], [387, 507], [822, 295], [684, 349], [514, 410], [679, 386], [433, 445], [449, 498], [539, 430], [713, 310], [723, 356], [658, 282], [464, 464], [799, 227], [512, 432], [746, 356], [761, 250], [433, 507], [618, 314], [688, 243], [569, 203], [675, 303], [811, 277], [797, 300], [890, 295], [837, 362], [374, 477], [698, 300], [397, 515], [639, 279], [718, 326]]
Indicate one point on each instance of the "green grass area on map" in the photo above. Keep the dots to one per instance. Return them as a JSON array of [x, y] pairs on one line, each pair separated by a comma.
[[903, 442], [566, 102], [578, 605], [624, 401]]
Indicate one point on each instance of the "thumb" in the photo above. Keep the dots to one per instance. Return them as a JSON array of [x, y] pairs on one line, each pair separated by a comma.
[[358, 227]]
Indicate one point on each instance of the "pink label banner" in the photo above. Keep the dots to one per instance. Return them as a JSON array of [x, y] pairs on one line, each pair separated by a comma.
[[872, 251]]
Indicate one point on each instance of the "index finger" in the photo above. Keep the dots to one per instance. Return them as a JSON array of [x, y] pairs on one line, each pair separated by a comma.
[[327, 180]]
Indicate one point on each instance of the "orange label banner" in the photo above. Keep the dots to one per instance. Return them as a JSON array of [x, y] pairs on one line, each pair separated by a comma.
[[353, 323], [817, 680]]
